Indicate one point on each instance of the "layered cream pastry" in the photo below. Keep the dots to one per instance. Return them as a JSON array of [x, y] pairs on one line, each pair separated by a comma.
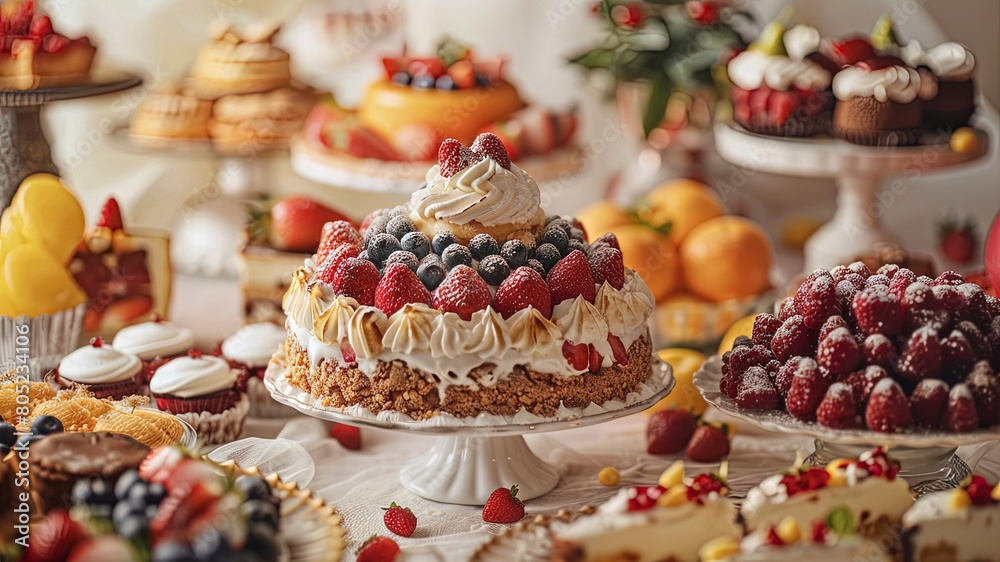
[[240, 62], [954, 525], [105, 371], [669, 521], [467, 301], [868, 486]]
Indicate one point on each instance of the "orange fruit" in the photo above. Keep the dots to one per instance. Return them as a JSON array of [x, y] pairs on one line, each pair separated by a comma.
[[651, 254], [601, 217], [685, 204], [726, 258]]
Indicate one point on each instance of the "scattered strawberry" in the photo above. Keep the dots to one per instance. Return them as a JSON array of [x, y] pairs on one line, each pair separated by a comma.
[[878, 350], [976, 308], [399, 520], [807, 391], [348, 436], [578, 355], [357, 278], [792, 338], [708, 444], [608, 238], [463, 292], [488, 144], [570, 278], [503, 506], [838, 408], [816, 299], [327, 270], [764, 327], [756, 390], [523, 288], [607, 265], [184, 502], [54, 537], [859, 268], [111, 215], [960, 414], [378, 549], [888, 409], [454, 157], [669, 431], [40, 26], [743, 357], [838, 352], [986, 393], [889, 270], [927, 402], [618, 351], [876, 280], [334, 234], [956, 349], [922, 356], [400, 286], [877, 311], [958, 240], [981, 348], [863, 381], [950, 299], [831, 324], [297, 223]]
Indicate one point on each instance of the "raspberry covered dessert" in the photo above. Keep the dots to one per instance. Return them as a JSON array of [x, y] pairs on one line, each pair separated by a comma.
[[954, 525], [33, 55], [467, 300], [668, 521], [781, 83], [889, 351], [868, 486]]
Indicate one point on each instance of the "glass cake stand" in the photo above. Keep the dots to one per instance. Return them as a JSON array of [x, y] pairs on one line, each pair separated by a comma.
[[928, 458], [472, 457], [23, 148], [858, 171]]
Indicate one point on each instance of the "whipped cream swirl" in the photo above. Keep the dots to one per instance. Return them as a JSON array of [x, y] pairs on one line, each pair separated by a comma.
[[485, 192], [150, 340], [896, 83], [92, 364], [188, 377], [751, 70], [949, 61], [801, 40], [254, 344]]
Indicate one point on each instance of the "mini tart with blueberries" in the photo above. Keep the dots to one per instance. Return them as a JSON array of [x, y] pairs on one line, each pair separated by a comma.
[[434, 307]]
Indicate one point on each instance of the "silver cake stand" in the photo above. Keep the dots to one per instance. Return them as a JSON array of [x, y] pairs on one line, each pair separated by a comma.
[[928, 457], [472, 457], [23, 148], [858, 171]]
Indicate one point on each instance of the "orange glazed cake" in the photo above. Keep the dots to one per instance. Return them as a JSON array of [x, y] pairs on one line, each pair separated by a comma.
[[468, 300]]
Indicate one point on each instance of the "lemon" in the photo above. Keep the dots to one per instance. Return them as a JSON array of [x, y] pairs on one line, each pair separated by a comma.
[[684, 396], [48, 215], [742, 327]]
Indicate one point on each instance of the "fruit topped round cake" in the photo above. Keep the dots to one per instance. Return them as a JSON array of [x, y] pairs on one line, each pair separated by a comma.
[[467, 300]]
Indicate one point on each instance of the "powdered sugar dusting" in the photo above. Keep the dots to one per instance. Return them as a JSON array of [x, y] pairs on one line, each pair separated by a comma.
[[960, 390], [887, 386], [839, 390]]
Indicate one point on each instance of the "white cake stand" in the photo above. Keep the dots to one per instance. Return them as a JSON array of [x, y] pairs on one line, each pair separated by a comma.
[[472, 457], [928, 457], [858, 171]]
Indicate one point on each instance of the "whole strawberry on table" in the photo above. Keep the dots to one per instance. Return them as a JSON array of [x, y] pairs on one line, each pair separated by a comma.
[[888, 351]]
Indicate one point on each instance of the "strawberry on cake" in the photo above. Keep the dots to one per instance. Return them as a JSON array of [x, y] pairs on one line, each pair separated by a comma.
[[34, 56], [671, 520], [468, 300]]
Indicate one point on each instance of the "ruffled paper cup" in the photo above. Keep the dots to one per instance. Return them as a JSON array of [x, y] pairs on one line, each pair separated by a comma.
[[221, 428], [214, 403], [44, 340], [262, 405], [110, 390]]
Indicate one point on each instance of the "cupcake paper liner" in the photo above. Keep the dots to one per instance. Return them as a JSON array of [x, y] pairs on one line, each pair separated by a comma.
[[112, 390], [217, 429], [261, 403], [214, 403], [50, 337]]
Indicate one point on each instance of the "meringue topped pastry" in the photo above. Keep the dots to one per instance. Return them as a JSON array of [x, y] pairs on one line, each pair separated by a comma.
[[106, 371], [467, 300]]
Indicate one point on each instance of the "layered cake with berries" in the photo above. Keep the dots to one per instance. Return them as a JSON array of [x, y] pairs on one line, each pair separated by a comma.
[[467, 300], [954, 525], [867, 485], [35, 56], [422, 101], [671, 520], [888, 351]]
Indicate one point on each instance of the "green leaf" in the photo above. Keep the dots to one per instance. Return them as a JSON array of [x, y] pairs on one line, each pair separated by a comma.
[[659, 95], [841, 522]]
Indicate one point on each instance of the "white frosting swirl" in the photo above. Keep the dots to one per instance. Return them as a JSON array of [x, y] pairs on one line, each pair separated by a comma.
[[254, 344], [448, 338], [333, 324], [410, 328], [897, 83], [532, 333], [801, 40], [751, 69], [367, 327], [580, 321], [949, 61], [150, 340], [489, 333], [485, 192], [188, 377], [928, 85], [99, 364]]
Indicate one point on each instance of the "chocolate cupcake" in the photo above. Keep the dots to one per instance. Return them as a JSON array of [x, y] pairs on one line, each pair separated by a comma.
[[59, 460], [155, 343], [781, 84], [107, 372], [951, 65]]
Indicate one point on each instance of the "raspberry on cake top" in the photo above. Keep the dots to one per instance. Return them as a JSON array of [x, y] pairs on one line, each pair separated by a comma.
[[468, 300]]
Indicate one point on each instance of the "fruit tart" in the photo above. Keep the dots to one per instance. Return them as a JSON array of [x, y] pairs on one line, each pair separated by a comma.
[[868, 486], [467, 300], [34, 55], [671, 520], [781, 83], [953, 525]]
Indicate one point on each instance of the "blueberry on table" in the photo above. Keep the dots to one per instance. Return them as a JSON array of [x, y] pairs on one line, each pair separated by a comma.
[[537, 266], [403, 257], [382, 246], [556, 236], [423, 82], [548, 255], [125, 482], [46, 425], [253, 487], [445, 82], [399, 226]]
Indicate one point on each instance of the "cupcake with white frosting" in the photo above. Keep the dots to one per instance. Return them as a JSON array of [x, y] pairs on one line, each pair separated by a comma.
[[107, 372], [951, 65], [250, 350], [155, 343], [204, 391]]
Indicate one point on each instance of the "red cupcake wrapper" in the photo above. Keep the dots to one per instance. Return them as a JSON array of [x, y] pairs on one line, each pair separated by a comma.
[[214, 403]]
